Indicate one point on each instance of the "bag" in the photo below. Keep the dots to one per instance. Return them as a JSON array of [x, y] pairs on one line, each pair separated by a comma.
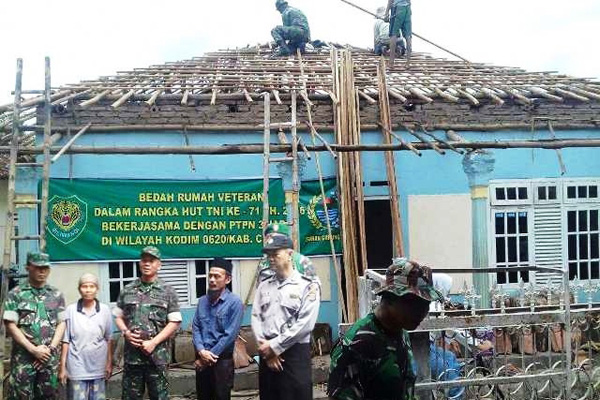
[[241, 358]]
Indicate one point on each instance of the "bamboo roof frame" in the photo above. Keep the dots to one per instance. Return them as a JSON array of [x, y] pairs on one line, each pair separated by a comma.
[[246, 74]]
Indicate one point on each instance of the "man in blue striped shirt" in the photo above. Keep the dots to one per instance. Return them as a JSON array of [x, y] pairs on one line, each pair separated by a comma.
[[215, 327]]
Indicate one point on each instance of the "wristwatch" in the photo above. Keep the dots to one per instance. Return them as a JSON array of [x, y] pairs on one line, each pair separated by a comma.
[[53, 349]]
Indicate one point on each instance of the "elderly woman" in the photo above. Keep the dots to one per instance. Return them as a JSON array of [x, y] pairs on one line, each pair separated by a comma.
[[86, 358]]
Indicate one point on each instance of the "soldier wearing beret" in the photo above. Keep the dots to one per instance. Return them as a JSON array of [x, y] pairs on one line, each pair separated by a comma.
[[147, 314], [284, 313], [374, 359], [34, 315]]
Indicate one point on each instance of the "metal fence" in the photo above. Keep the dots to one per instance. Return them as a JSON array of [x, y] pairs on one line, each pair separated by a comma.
[[532, 341]]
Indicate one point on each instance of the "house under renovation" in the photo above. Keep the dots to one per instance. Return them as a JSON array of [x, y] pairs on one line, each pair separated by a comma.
[[461, 166]]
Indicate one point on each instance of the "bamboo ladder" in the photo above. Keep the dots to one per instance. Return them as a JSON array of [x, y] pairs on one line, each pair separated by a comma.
[[11, 240], [267, 160]]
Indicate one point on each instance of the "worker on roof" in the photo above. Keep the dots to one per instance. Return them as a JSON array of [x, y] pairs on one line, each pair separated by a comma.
[[294, 33], [399, 14], [381, 34]]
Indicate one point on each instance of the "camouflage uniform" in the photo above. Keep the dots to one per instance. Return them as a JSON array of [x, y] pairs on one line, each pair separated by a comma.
[[371, 364], [294, 32], [147, 308], [37, 312], [368, 364]]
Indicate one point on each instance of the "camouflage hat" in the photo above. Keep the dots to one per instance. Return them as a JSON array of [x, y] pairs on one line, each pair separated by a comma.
[[153, 251], [280, 3], [406, 277], [38, 259], [277, 241], [284, 229]]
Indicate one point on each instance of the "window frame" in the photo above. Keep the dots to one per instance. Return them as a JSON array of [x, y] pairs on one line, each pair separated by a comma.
[[530, 240], [191, 276], [533, 203]]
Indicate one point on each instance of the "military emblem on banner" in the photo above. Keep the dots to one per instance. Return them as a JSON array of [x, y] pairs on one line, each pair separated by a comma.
[[67, 217], [316, 211]]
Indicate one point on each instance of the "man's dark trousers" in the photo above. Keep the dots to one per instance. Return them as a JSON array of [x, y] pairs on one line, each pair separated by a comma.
[[294, 382], [216, 382]]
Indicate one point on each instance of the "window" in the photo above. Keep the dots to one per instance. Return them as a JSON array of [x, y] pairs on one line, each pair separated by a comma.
[[582, 244], [189, 278], [119, 275], [559, 225], [200, 278], [583, 191], [512, 193], [511, 231], [547, 193]]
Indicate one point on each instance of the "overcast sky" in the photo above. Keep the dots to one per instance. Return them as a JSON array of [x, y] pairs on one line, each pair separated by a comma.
[[88, 39]]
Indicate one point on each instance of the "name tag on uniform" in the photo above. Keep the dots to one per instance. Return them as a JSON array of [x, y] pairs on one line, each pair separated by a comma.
[[294, 296]]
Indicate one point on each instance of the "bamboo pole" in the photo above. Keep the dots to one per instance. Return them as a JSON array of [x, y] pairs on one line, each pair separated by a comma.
[[266, 155], [360, 195], [46, 156], [561, 163], [548, 144], [314, 132], [10, 215], [94, 99], [334, 259], [153, 98], [390, 163], [70, 142], [347, 184], [123, 99], [295, 179]]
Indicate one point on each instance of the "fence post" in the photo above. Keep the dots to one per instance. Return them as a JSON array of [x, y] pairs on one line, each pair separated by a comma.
[[567, 294]]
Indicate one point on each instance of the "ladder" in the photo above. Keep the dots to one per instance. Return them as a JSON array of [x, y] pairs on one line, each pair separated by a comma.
[[11, 239], [267, 160]]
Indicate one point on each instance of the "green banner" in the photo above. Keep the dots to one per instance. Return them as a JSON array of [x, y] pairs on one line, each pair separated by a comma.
[[114, 219], [314, 237]]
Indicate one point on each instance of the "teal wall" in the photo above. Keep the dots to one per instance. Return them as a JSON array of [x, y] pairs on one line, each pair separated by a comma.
[[429, 174]]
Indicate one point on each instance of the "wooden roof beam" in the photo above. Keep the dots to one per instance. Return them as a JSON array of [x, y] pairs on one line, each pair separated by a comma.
[[445, 95], [567, 93], [94, 99], [544, 93]]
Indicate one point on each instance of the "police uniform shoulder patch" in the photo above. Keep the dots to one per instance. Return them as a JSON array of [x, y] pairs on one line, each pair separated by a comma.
[[312, 292]]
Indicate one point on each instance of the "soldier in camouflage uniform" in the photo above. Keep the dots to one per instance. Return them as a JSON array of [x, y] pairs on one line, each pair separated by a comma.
[[294, 33], [34, 318], [301, 263], [374, 360], [147, 314]]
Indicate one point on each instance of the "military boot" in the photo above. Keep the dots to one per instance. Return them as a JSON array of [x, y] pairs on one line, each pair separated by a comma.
[[282, 51]]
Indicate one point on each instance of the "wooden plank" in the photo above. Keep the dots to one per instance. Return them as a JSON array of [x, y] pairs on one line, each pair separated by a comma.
[[384, 105]]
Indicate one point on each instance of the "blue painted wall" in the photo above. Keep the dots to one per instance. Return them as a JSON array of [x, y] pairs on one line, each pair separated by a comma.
[[429, 174]]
